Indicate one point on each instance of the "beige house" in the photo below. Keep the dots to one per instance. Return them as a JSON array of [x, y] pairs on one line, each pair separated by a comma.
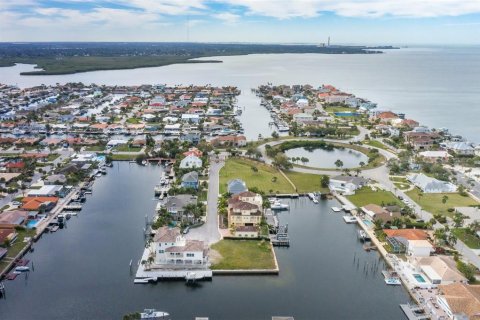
[[438, 269], [245, 210], [376, 212], [460, 301]]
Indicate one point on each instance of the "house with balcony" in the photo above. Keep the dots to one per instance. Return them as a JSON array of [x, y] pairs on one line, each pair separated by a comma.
[[170, 248], [245, 210]]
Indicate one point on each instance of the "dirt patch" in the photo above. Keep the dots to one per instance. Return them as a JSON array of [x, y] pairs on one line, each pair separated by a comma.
[[214, 256]]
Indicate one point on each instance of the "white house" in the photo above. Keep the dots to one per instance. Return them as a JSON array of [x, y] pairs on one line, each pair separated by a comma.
[[431, 185], [174, 129], [171, 248], [419, 248], [346, 184], [461, 148], [301, 117], [191, 161], [302, 103]]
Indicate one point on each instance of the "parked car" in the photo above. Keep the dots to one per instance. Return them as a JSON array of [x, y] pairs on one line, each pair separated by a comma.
[[186, 230]]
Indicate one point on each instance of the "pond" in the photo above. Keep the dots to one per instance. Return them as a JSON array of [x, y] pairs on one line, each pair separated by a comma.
[[320, 158]]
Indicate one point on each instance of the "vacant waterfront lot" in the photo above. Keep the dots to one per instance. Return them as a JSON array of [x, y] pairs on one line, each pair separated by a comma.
[[366, 196], [255, 174], [243, 255], [306, 182], [432, 202]]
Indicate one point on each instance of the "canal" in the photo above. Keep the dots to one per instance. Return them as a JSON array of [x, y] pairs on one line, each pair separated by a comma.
[[82, 272]]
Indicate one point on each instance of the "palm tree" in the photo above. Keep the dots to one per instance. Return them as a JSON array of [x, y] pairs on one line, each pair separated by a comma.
[[444, 199], [439, 234], [452, 239], [339, 163]]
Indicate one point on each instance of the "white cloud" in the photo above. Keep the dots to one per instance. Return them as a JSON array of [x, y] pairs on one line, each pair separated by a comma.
[[285, 9], [227, 17]]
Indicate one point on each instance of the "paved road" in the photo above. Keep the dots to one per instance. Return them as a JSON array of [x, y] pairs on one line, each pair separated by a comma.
[[209, 232]]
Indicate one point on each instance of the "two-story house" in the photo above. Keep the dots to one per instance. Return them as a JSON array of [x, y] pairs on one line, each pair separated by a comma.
[[245, 210]]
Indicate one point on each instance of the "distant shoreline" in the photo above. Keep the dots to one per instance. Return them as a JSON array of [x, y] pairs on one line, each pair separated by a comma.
[[71, 58]]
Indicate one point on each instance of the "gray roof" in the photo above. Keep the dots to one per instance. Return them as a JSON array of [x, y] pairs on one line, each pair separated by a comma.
[[179, 201], [190, 177], [350, 179], [236, 186]]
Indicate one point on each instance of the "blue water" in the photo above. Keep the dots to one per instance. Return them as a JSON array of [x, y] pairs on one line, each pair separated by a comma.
[[368, 223], [437, 86]]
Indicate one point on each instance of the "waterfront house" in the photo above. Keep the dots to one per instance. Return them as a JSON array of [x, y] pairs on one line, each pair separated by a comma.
[[460, 301], [172, 249], [346, 184], [232, 141], [175, 206], [236, 186], [48, 191], [461, 148], [39, 203], [301, 117], [435, 156], [193, 152], [437, 269], [245, 209], [7, 235], [190, 180], [412, 241], [431, 185], [191, 161], [376, 212], [13, 218]]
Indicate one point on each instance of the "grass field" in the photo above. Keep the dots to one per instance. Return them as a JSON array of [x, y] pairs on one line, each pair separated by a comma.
[[306, 182], [127, 148], [339, 109], [244, 254], [123, 157], [262, 179], [376, 144], [401, 186], [95, 148], [432, 202], [366, 196], [470, 240], [17, 246]]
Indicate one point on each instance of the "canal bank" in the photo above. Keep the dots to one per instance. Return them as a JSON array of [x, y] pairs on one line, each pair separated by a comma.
[[82, 272]]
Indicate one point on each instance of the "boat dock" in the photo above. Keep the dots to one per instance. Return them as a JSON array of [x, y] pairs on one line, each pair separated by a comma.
[[281, 239], [73, 207], [414, 312]]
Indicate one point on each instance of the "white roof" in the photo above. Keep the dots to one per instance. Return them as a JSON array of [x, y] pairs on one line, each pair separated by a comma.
[[435, 154], [420, 243], [45, 190], [431, 273]]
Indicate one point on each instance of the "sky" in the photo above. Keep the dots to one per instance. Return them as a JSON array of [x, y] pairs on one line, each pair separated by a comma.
[[398, 22]]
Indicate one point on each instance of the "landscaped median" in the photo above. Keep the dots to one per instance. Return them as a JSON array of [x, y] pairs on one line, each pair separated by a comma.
[[243, 256]]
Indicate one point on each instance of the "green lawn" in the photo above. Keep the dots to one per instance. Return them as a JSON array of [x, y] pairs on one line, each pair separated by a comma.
[[366, 196], [399, 179], [127, 148], [17, 246], [306, 182], [470, 240], [376, 144], [133, 120], [401, 186], [95, 148], [340, 109], [123, 157], [52, 156], [432, 202], [262, 179], [244, 254]]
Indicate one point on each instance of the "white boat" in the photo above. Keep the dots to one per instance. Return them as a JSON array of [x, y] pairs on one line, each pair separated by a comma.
[[393, 281], [350, 219], [336, 209], [315, 201], [22, 269], [277, 205], [153, 314]]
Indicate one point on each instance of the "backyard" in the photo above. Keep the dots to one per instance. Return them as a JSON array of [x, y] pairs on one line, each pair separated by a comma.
[[16, 247], [366, 196], [306, 182], [432, 202], [265, 178], [243, 254]]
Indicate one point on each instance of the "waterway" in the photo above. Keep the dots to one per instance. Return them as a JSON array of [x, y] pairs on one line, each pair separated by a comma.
[[320, 158], [437, 85], [82, 272]]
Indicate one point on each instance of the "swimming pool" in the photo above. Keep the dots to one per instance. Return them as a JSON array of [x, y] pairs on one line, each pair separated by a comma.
[[32, 224], [346, 114], [419, 278], [368, 223]]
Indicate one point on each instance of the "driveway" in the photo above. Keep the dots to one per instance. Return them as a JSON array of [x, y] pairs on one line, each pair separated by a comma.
[[209, 232]]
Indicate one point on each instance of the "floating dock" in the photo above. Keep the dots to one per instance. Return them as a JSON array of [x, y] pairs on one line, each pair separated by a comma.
[[414, 312]]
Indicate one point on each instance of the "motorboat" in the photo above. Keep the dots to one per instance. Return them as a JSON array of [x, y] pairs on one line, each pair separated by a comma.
[[350, 219], [22, 269], [277, 205], [393, 281], [336, 209], [153, 314]]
